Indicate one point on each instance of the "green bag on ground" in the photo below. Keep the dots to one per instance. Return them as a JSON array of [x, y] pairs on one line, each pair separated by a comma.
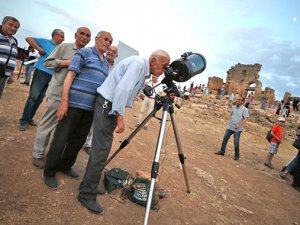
[[115, 178], [138, 193]]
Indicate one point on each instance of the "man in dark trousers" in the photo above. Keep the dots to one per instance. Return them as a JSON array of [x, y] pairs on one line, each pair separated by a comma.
[[296, 180]]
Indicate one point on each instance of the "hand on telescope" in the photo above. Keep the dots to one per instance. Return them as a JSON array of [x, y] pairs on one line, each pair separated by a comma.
[[120, 124]]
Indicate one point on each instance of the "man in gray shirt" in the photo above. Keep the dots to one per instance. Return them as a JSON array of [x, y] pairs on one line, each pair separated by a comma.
[[58, 60], [116, 93], [239, 116]]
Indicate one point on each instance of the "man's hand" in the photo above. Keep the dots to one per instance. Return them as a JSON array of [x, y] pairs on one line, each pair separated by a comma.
[[120, 124], [41, 51], [62, 110]]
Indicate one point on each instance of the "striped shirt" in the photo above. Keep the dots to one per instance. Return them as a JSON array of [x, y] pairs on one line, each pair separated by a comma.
[[5, 46], [91, 72]]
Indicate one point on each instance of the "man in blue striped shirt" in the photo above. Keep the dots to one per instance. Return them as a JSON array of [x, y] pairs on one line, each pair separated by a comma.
[[8, 50], [118, 91], [87, 71]]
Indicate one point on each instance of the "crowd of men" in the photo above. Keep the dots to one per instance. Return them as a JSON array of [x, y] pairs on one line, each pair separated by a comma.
[[85, 89]]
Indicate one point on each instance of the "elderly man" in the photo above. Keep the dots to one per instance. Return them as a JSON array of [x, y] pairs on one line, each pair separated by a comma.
[[111, 54], [87, 71], [58, 60], [8, 50], [114, 95], [41, 76]]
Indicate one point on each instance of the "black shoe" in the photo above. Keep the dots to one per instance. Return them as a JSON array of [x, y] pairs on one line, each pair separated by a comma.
[[101, 191], [296, 187], [50, 182], [71, 173], [91, 205], [32, 123], [23, 127], [219, 153], [236, 158]]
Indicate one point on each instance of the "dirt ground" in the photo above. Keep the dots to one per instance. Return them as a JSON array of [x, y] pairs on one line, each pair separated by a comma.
[[223, 191]]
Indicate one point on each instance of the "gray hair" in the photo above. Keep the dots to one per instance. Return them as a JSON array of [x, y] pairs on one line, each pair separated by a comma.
[[160, 52], [6, 18], [100, 33], [55, 31]]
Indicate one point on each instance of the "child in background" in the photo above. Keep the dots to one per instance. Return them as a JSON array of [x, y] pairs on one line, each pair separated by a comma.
[[277, 133]]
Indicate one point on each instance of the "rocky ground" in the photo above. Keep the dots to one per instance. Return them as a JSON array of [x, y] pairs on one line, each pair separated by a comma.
[[223, 191]]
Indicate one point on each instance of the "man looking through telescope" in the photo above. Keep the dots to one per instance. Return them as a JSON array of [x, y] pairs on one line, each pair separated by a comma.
[[116, 93]]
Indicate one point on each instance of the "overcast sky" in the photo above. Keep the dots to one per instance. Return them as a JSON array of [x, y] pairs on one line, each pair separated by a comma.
[[225, 32]]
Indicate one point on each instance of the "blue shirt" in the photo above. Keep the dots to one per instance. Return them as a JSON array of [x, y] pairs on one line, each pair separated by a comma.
[[48, 46], [91, 72], [124, 83]]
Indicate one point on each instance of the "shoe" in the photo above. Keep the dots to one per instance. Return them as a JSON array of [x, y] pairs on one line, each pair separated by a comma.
[[219, 153], [91, 205], [38, 162], [101, 191], [86, 149], [71, 173], [296, 187], [145, 127], [269, 165], [23, 127], [32, 123], [137, 124], [236, 158], [50, 182], [283, 175]]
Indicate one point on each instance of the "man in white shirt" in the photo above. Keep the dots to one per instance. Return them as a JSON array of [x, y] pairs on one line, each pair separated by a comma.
[[116, 93], [149, 101]]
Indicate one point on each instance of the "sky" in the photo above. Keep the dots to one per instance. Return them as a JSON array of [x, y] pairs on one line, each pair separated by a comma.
[[225, 32]]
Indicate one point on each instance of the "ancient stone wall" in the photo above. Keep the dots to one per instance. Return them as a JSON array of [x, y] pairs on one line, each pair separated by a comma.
[[269, 95], [215, 84], [240, 77]]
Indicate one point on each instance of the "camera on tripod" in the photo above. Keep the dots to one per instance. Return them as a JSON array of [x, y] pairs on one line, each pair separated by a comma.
[[180, 70]]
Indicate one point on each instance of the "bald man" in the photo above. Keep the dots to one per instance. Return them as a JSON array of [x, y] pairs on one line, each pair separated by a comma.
[[59, 60], [116, 93]]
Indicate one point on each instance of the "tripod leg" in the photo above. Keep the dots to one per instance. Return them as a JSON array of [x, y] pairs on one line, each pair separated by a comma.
[[155, 165], [128, 139], [180, 153]]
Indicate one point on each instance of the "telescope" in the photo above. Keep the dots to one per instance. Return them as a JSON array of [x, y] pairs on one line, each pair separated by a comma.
[[180, 70]]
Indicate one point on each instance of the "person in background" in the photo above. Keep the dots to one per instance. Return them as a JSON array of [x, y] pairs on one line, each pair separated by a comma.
[[8, 50], [296, 180], [239, 116], [149, 101], [58, 60], [231, 99], [280, 107], [277, 133], [41, 76], [249, 99], [30, 67]]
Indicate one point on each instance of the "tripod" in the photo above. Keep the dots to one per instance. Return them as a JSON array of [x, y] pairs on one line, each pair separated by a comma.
[[166, 103]]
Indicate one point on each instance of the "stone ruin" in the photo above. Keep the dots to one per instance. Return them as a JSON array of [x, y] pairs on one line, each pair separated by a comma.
[[240, 80]]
